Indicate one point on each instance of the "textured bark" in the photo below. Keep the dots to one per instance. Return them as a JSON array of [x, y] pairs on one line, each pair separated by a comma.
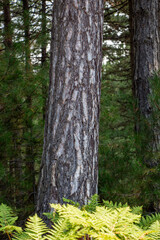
[[44, 42], [26, 20], [7, 25], [145, 61], [29, 159], [69, 163], [44, 53]]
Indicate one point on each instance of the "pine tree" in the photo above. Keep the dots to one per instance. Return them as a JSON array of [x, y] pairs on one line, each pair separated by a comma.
[[69, 167]]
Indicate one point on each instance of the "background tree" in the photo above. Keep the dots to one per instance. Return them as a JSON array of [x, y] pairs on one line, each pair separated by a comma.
[[69, 166], [145, 63], [130, 179]]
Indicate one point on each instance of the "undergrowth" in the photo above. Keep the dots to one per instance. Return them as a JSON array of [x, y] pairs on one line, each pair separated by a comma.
[[93, 221]]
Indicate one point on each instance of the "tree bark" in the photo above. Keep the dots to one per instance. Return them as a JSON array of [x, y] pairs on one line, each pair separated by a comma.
[[69, 164], [44, 54], [30, 170], [7, 25], [145, 61]]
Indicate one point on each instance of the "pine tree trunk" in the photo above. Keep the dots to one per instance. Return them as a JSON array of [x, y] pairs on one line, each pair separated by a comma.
[[29, 168], [7, 25], [69, 164], [44, 53], [145, 59]]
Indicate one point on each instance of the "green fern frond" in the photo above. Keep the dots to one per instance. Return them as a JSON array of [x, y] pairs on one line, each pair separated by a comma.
[[137, 210], [110, 204], [148, 220], [10, 229], [22, 236], [36, 228], [7, 217], [92, 204], [69, 201], [7, 220]]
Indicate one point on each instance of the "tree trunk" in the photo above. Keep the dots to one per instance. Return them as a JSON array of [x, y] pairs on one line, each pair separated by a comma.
[[29, 118], [145, 59], [69, 164], [145, 46], [44, 54], [7, 25]]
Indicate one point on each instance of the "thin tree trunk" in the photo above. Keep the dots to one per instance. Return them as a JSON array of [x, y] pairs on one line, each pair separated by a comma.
[[26, 21], [7, 25], [29, 125], [69, 164], [44, 54], [8, 51]]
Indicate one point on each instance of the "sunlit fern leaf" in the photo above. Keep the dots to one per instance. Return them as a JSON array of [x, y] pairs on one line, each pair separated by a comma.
[[116, 223], [155, 230], [76, 225], [36, 228], [73, 214], [105, 236], [63, 230]]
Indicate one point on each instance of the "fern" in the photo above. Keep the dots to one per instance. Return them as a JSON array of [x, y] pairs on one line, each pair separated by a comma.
[[155, 230], [36, 228], [7, 221], [21, 236], [7, 216], [148, 220], [110, 204], [104, 223], [115, 222], [76, 204], [92, 204], [90, 207], [63, 230]]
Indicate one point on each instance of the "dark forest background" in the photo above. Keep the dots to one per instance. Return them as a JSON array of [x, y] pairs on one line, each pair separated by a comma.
[[25, 28]]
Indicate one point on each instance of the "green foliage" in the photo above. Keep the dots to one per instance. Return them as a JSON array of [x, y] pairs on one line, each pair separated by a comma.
[[23, 84], [92, 204], [35, 229], [76, 204], [155, 94], [7, 220], [113, 221], [148, 220], [155, 230], [104, 223], [110, 204]]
